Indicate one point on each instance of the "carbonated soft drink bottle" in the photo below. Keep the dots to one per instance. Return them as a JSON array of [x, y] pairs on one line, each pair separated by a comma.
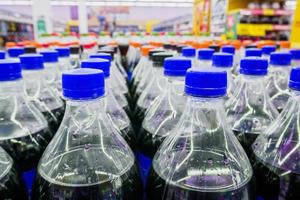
[[87, 158], [267, 50], [231, 50], [15, 52], [277, 151], [63, 58], [39, 92], [202, 159], [249, 109], [115, 112], [190, 52], [164, 114], [277, 84], [24, 130], [11, 184], [2, 54], [204, 57], [74, 56], [253, 52]]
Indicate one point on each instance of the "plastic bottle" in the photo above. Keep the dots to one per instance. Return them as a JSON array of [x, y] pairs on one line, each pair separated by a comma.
[[190, 52], [39, 92], [74, 56], [253, 52], [15, 52], [2, 54], [12, 187], [277, 84], [277, 151], [114, 110], [141, 67], [267, 50], [64, 58], [202, 159], [52, 70], [250, 110], [164, 114], [224, 62], [236, 59], [87, 158], [157, 84], [24, 130], [118, 88], [145, 76], [295, 57], [204, 57]]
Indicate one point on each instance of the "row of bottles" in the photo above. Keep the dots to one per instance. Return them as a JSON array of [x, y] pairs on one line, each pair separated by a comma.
[[216, 125]]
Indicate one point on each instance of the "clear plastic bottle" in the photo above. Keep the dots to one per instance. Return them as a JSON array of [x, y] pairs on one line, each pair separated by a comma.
[[190, 52], [24, 130], [231, 49], [141, 67], [267, 50], [63, 58], [39, 92], [74, 56], [156, 85], [253, 52], [295, 57], [204, 58], [15, 52], [224, 62], [202, 159], [164, 114], [277, 151], [11, 184], [278, 77], [116, 88], [114, 110], [147, 74], [52, 70], [249, 109], [87, 158]]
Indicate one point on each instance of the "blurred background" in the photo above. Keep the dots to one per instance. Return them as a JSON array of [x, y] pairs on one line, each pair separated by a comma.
[[231, 19]]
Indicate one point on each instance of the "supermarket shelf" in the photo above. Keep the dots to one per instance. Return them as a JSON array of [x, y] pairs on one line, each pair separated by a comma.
[[266, 12]]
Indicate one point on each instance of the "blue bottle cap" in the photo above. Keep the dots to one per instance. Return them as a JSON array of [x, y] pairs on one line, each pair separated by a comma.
[[188, 52], [14, 52], [281, 58], [32, 61], [63, 51], [267, 50], [97, 63], [2, 54], [10, 70], [206, 83], [295, 54], [205, 54], [253, 52], [106, 56], [228, 49], [294, 82], [50, 56], [176, 66], [254, 66], [222, 60], [83, 84]]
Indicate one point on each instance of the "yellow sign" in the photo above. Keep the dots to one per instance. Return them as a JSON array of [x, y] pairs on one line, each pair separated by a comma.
[[295, 35], [258, 30]]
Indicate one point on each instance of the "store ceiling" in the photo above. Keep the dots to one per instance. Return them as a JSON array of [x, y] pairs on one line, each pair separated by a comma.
[[158, 3]]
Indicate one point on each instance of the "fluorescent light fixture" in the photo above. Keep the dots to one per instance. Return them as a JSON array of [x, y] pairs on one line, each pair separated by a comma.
[[16, 2]]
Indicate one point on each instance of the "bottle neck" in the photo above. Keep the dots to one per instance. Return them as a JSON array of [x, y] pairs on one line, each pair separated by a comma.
[[11, 87], [175, 85]]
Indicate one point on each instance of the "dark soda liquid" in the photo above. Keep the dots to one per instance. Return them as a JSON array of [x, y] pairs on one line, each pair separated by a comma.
[[12, 187], [137, 118], [273, 183], [27, 150], [54, 123], [129, 135], [246, 140], [158, 188], [149, 143], [130, 188]]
